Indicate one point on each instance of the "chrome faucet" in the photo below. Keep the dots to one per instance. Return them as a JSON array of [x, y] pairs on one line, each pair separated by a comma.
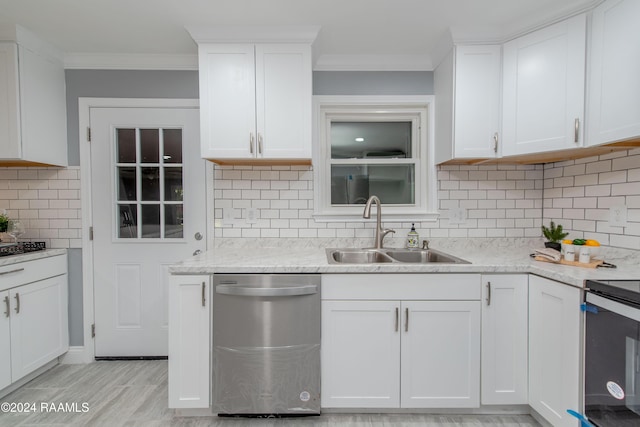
[[380, 232]]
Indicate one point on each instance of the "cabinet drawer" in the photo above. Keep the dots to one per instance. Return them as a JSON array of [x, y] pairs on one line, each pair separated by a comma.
[[401, 286], [31, 271]]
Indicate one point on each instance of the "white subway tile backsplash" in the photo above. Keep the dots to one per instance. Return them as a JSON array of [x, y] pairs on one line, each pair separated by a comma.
[[501, 201], [47, 200], [613, 177]]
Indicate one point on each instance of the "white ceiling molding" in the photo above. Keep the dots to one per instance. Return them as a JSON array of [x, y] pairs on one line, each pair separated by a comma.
[[253, 34], [373, 63], [130, 61], [27, 39]]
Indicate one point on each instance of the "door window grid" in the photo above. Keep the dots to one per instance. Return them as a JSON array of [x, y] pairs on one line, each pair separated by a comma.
[[149, 196]]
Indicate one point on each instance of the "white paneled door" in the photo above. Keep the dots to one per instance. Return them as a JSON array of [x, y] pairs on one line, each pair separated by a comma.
[[148, 202]]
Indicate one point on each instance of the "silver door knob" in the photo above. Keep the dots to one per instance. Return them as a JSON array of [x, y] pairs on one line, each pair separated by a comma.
[[197, 252], [198, 236]]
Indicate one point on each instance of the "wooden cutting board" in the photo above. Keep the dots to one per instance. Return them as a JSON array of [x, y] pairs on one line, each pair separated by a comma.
[[593, 264]]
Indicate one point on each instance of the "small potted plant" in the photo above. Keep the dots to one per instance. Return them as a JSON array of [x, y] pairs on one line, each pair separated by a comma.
[[4, 222], [554, 235]]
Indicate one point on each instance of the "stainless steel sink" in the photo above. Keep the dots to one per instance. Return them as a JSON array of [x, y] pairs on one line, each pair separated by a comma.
[[357, 256], [390, 255]]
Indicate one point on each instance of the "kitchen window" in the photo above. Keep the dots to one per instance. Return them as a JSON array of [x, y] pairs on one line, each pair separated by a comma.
[[373, 146]]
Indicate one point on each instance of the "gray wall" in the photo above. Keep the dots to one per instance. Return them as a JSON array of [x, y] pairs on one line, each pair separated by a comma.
[[373, 83], [184, 84], [121, 84]]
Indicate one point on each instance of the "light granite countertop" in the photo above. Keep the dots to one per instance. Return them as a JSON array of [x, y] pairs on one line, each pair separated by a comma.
[[484, 255], [30, 256]]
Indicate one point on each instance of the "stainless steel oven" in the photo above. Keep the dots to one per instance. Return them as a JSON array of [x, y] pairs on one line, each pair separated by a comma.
[[612, 353]]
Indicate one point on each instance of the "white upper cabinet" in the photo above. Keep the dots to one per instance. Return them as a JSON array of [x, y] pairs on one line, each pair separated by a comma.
[[255, 102], [543, 89], [613, 106], [33, 121], [468, 86]]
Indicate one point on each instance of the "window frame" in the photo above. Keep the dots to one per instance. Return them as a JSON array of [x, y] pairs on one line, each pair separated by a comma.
[[418, 109]]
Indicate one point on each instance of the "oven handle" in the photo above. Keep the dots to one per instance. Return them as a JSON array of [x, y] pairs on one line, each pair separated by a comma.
[[248, 291], [614, 306]]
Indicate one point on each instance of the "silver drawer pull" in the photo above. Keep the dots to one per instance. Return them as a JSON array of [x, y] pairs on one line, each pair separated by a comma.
[[204, 298], [406, 325], [7, 313], [397, 318], [17, 303], [17, 270]]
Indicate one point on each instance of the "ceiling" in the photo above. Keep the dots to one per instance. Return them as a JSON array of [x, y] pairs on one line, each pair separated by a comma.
[[355, 34]]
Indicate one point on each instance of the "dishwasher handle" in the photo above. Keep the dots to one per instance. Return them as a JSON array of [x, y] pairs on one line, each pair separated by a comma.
[[250, 291]]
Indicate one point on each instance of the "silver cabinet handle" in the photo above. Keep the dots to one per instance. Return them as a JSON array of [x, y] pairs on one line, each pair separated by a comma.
[[204, 299], [397, 318], [488, 293], [495, 142], [251, 141], [576, 126], [246, 291], [17, 303], [7, 313], [406, 324], [17, 270], [259, 144]]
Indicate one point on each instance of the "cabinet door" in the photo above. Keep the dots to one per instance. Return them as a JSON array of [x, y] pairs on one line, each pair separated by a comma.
[[477, 101], [227, 101], [554, 350], [440, 354], [505, 339], [39, 324], [360, 354], [543, 89], [9, 102], [189, 342], [283, 100], [5, 339], [43, 112], [613, 105]]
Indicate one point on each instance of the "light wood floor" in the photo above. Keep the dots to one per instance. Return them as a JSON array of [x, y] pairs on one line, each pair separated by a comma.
[[134, 393]]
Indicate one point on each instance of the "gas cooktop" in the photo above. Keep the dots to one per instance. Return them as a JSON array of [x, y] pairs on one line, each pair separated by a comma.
[[7, 249]]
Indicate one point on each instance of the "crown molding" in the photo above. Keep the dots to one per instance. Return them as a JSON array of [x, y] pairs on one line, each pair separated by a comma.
[[130, 61], [373, 63], [254, 34]]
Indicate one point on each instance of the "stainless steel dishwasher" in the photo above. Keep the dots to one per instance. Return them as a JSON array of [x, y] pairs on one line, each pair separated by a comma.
[[266, 344]]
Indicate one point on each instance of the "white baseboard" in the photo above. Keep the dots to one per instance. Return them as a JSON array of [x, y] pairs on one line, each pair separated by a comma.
[[76, 355]]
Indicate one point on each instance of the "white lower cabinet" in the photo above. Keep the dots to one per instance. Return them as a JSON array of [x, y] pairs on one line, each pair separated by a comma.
[[401, 341], [505, 323], [34, 316], [554, 350], [360, 354], [440, 363], [39, 331], [189, 341], [5, 337]]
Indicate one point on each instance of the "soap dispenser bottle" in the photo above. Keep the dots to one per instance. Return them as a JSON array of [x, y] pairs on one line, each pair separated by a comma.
[[412, 237]]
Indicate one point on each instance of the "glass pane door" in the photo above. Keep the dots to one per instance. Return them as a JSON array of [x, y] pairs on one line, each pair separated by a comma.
[[149, 183]]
